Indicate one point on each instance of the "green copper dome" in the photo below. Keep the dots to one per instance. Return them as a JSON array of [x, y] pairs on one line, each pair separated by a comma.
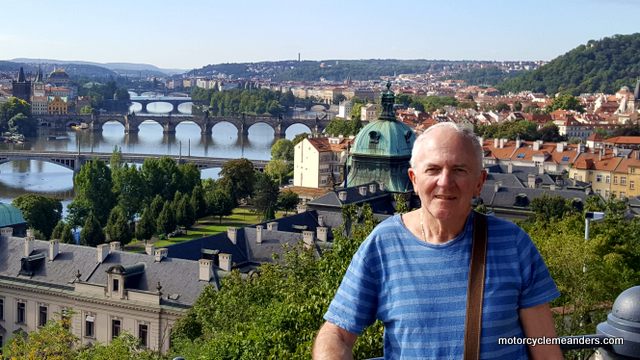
[[10, 215], [381, 150], [384, 138]]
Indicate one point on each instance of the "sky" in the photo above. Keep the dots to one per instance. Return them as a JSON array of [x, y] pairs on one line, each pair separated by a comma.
[[189, 34]]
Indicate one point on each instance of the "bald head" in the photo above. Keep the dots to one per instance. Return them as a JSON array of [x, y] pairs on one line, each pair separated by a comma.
[[454, 129]]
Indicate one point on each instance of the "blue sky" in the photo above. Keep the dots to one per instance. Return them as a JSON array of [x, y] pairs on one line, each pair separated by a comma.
[[189, 34]]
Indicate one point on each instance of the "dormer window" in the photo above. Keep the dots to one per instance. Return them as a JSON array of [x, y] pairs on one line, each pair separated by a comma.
[[116, 284], [374, 137]]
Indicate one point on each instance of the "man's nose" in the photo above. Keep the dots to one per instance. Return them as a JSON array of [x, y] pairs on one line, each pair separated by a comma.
[[445, 178]]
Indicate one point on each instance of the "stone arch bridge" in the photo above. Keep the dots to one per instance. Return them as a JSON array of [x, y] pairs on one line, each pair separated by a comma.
[[131, 122]]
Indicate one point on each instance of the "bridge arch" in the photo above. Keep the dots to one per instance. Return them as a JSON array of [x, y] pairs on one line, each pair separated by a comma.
[[69, 164]]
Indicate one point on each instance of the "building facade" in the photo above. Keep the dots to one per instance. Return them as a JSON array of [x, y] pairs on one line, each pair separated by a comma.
[[104, 291]]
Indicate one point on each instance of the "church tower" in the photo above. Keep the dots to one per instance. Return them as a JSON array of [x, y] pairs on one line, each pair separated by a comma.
[[21, 88], [38, 95]]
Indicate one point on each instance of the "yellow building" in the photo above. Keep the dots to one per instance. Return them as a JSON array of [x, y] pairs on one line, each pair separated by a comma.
[[626, 178], [57, 105]]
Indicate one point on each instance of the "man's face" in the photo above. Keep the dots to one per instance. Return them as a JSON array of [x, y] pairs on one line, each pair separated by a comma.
[[446, 175]]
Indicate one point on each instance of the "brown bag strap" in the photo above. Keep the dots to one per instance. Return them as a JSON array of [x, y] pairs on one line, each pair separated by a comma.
[[475, 288]]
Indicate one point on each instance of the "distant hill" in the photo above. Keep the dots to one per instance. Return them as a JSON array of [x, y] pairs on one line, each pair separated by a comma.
[[333, 70], [129, 69], [75, 70], [598, 66]]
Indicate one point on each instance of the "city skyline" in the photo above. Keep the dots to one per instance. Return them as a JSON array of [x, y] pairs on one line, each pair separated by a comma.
[[192, 34]]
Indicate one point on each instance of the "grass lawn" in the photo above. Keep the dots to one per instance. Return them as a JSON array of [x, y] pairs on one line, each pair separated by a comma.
[[206, 226]]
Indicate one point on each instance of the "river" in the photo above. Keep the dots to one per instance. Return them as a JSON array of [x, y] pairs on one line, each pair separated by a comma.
[[21, 177]]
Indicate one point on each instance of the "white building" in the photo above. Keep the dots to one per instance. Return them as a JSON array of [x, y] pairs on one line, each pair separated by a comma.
[[318, 162], [104, 290]]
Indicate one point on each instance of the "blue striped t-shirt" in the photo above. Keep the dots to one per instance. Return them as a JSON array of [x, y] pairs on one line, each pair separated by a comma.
[[419, 290]]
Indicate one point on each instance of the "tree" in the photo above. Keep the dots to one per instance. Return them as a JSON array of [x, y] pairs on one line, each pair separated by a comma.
[[23, 124], [129, 188], [57, 231], [91, 233], [40, 212], [67, 235], [278, 170], [565, 102], [94, 186], [189, 177], [198, 202], [238, 177], [265, 197], [11, 108], [86, 110], [282, 149], [53, 341], [287, 201], [117, 228], [550, 207], [146, 227], [219, 203], [166, 222], [185, 216]]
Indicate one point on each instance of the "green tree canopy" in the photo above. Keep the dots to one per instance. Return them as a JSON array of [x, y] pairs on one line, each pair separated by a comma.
[[40, 212], [219, 203], [565, 102], [238, 177], [287, 201], [93, 185], [265, 197], [117, 228], [166, 222], [146, 227], [92, 233], [282, 149]]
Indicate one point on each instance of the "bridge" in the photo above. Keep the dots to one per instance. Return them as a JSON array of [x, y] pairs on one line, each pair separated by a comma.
[[74, 160], [131, 122], [174, 101]]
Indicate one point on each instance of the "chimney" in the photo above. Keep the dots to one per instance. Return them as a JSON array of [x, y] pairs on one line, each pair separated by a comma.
[[496, 143], [320, 220], [30, 233], [272, 226], [509, 167], [501, 143], [381, 186], [552, 187], [160, 254], [103, 252], [372, 188], [580, 148], [518, 143], [232, 234], [225, 261], [342, 195], [259, 234], [150, 249], [308, 238], [536, 145], [115, 246], [362, 190], [205, 272], [541, 169], [6, 232], [322, 232], [496, 186], [28, 245], [54, 249], [531, 181], [560, 146], [615, 151]]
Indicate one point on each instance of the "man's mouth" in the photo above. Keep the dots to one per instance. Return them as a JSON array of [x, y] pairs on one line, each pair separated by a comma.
[[445, 197]]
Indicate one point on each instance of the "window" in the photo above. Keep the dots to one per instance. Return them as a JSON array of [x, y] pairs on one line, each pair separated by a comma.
[[42, 315], [21, 315], [623, 180], [115, 328], [607, 179], [615, 179], [89, 320], [520, 155], [143, 334], [2, 308], [632, 185], [598, 178], [116, 284], [65, 316]]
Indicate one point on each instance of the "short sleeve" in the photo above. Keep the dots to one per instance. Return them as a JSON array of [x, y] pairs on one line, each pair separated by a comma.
[[537, 286], [354, 306]]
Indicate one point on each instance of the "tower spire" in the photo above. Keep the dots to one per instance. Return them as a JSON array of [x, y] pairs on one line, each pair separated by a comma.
[[21, 77]]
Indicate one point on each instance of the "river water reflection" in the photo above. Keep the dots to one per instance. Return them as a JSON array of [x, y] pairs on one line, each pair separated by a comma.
[[21, 177]]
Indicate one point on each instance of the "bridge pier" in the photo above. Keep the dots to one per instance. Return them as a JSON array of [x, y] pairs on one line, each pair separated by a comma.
[[95, 125], [243, 130], [129, 125], [168, 128], [205, 128]]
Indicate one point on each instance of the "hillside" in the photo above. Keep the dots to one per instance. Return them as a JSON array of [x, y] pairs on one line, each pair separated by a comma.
[[75, 70], [597, 66]]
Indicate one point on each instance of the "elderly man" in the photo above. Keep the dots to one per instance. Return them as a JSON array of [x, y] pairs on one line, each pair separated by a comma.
[[412, 271]]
